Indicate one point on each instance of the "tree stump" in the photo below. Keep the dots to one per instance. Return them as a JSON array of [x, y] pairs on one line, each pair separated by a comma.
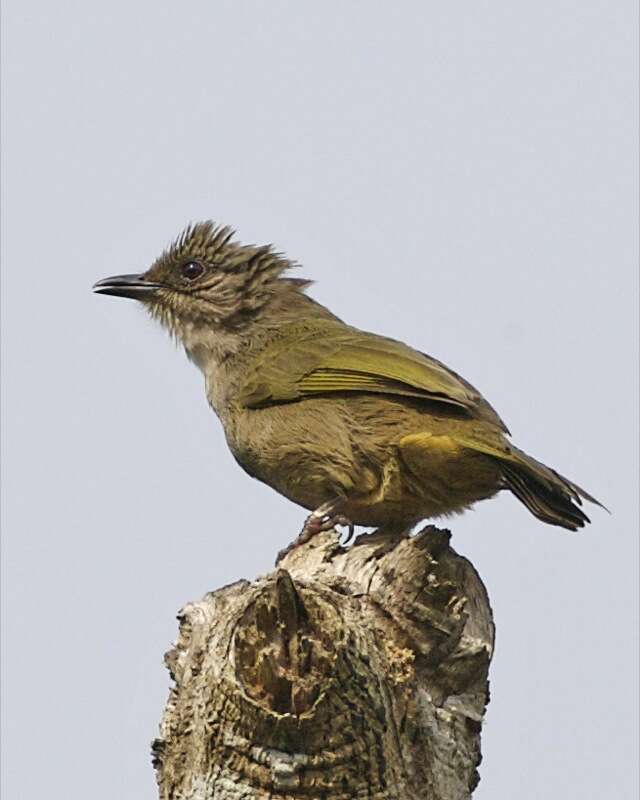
[[345, 673]]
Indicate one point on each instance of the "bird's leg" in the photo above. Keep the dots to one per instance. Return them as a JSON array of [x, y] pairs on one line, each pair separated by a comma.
[[323, 518]]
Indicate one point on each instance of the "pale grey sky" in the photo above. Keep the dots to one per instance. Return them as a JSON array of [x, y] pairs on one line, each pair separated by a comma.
[[461, 176]]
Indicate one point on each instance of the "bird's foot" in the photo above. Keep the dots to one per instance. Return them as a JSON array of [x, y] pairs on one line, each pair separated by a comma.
[[324, 518]]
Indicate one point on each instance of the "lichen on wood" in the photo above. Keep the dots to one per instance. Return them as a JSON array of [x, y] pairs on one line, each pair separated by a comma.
[[345, 673]]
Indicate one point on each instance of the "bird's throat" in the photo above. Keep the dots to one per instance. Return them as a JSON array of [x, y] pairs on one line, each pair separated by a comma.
[[208, 347]]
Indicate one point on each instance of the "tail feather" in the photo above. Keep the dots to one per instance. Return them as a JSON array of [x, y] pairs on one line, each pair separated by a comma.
[[555, 506], [547, 494]]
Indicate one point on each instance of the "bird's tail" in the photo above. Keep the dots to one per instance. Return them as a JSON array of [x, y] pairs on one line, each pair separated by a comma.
[[547, 494]]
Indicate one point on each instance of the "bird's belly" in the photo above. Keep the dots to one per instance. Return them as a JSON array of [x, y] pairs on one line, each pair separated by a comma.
[[322, 449], [302, 450], [404, 497]]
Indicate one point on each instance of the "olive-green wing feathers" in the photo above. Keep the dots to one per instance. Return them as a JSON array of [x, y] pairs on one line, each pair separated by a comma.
[[332, 357]]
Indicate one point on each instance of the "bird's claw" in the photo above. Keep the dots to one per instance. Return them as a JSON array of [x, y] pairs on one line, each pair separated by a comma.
[[329, 521], [317, 522], [351, 529]]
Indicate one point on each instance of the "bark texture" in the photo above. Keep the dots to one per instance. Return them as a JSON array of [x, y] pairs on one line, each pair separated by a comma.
[[345, 673]]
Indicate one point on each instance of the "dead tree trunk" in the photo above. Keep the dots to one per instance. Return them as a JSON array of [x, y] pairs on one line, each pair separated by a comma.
[[358, 673]]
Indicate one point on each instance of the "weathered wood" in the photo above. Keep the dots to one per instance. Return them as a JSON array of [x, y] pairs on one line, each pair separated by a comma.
[[358, 673]]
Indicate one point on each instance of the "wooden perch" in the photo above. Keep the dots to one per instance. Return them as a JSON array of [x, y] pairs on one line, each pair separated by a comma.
[[358, 673]]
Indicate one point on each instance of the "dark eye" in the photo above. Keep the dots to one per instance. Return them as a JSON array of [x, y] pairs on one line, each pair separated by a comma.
[[192, 270]]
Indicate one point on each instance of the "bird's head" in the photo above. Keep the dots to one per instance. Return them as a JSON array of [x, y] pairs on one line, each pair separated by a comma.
[[204, 278]]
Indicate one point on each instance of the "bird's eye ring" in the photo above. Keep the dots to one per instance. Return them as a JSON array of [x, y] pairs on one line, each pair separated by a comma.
[[191, 270]]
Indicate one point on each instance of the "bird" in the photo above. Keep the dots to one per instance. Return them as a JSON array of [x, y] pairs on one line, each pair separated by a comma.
[[357, 428]]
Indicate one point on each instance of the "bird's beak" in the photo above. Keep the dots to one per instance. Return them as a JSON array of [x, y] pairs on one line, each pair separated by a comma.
[[133, 286]]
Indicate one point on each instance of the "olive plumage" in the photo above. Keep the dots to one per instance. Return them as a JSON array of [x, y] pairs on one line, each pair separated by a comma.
[[348, 424]]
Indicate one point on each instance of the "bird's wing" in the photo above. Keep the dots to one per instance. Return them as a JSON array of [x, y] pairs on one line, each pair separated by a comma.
[[332, 357]]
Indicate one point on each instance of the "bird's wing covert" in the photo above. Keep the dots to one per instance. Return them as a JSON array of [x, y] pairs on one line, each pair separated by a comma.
[[335, 358]]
